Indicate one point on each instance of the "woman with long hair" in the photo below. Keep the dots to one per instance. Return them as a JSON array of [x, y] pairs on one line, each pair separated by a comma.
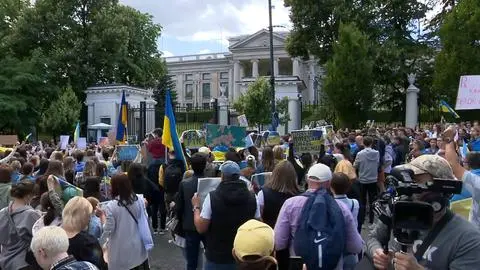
[[122, 217], [16, 222], [89, 170], [281, 186], [341, 151]]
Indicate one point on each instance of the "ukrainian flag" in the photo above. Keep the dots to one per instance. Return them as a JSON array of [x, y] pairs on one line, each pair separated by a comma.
[[76, 133], [170, 136], [122, 121], [446, 108]]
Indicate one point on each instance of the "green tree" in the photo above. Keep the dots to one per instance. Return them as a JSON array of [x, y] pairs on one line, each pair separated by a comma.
[[24, 92], [460, 54], [165, 83], [62, 114], [348, 84], [255, 104]]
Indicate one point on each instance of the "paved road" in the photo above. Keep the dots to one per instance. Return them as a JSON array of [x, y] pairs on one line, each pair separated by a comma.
[[165, 256]]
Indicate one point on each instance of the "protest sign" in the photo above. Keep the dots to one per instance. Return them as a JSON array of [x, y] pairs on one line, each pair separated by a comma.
[[261, 178], [103, 141], [468, 97], [307, 141], [64, 141], [8, 140], [230, 136], [127, 152], [205, 186], [242, 120], [193, 138], [82, 143]]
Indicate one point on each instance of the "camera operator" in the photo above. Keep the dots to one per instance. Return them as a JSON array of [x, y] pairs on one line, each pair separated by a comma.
[[452, 242]]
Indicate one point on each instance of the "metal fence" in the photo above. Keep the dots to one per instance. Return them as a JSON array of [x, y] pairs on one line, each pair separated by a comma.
[[142, 120], [321, 110]]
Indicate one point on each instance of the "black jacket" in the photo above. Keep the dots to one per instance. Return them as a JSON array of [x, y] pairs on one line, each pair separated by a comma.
[[183, 202], [232, 205]]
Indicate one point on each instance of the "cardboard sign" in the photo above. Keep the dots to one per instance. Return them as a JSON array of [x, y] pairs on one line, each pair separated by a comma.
[[64, 141], [8, 140], [82, 143], [230, 136], [127, 152], [261, 178], [205, 186], [307, 141], [468, 97]]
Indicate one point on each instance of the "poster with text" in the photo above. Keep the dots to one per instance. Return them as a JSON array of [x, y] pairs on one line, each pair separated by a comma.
[[307, 141], [64, 141], [468, 97], [230, 136], [82, 143]]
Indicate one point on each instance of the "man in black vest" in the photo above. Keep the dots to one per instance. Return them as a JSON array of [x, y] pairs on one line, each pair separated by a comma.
[[183, 207], [224, 211]]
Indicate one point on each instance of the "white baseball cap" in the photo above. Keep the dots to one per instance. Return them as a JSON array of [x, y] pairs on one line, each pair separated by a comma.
[[319, 173]]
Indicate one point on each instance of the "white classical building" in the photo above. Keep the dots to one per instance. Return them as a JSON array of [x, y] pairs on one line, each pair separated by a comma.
[[103, 104], [199, 78]]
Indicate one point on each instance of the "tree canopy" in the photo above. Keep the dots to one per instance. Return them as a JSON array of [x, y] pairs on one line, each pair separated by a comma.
[[76, 43]]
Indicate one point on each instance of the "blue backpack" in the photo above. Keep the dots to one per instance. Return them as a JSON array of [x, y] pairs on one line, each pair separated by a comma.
[[320, 236]]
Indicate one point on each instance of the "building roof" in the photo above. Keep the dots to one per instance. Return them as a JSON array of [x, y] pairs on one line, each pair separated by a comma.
[[118, 88]]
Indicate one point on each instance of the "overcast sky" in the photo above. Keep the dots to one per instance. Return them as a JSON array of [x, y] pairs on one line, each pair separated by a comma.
[[203, 26]]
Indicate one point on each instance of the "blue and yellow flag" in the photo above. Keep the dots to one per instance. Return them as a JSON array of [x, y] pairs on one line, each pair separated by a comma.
[[446, 108], [170, 136], [122, 121], [76, 133]]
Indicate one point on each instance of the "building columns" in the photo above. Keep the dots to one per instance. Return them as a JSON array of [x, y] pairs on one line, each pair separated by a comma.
[[231, 84], [275, 66], [255, 68], [294, 113], [236, 79], [295, 67]]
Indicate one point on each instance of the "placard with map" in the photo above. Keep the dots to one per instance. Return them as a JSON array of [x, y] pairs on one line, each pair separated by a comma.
[[307, 141], [230, 136], [127, 152]]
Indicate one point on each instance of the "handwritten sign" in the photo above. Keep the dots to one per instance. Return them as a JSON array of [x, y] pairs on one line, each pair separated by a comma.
[[307, 141], [127, 152], [103, 141], [468, 97], [64, 141], [242, 120], [82, 143]]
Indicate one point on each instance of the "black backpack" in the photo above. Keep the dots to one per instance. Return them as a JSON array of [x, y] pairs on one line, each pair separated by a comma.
[[173, 176]]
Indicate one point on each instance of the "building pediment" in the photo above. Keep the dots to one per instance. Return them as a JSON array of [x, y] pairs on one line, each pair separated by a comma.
[[261, 39]]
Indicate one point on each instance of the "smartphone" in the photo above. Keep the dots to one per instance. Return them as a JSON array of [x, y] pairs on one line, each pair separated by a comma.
[[295, 263]]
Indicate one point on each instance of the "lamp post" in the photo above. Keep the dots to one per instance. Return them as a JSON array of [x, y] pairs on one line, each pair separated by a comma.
[[272, 74]]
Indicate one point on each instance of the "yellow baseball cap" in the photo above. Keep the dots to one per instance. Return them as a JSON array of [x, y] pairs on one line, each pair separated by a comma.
[[254, 238]]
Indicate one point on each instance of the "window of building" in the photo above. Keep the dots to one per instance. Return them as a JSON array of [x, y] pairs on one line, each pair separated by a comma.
[[207, 76], [224, 75], [189, 106], [105, 120], [188, 91], [188, 77], [206, 105], [206, 90], [224, 85]]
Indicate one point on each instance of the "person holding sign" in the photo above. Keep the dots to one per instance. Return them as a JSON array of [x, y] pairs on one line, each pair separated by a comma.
[[223, 212]]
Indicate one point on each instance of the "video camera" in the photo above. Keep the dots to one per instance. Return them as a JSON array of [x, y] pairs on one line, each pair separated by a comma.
[[397, 210]]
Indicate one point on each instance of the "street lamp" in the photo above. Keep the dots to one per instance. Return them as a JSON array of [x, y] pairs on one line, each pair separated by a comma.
[[272, 74]]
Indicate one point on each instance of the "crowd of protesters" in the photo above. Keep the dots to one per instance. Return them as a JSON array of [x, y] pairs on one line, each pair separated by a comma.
[[45, 223]]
